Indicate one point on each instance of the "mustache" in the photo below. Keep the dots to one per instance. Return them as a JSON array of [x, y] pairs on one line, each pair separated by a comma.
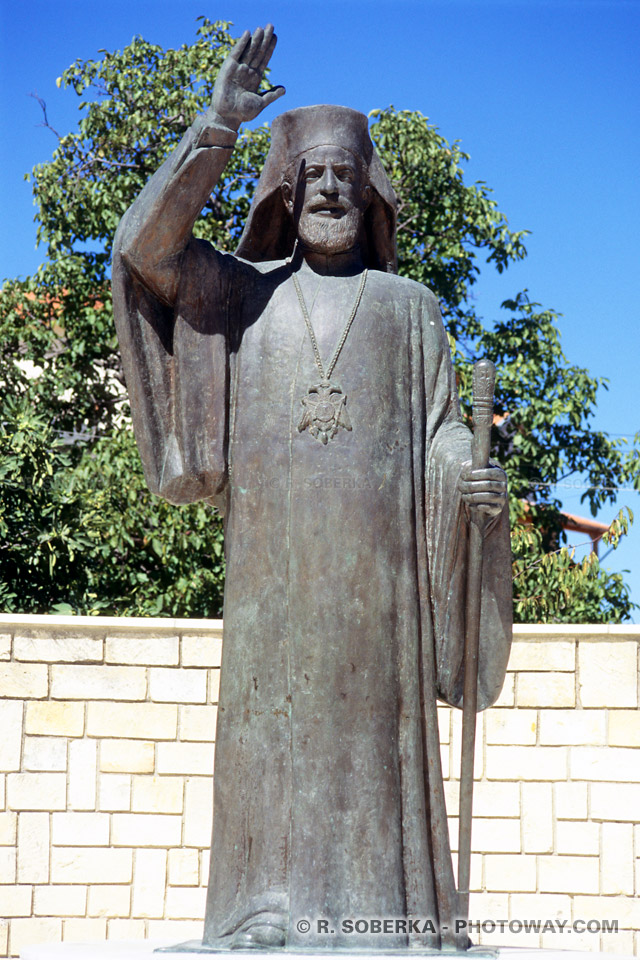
[[333, 205]]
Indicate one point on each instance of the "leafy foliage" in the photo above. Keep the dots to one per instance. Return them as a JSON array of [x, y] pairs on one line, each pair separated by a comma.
[[79, 530]]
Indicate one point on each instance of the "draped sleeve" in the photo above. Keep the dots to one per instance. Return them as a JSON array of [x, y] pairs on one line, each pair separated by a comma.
[[171, 297], [176, 367], [448, 448]]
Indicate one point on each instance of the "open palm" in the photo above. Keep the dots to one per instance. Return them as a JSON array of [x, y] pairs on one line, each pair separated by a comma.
[[235, 95]]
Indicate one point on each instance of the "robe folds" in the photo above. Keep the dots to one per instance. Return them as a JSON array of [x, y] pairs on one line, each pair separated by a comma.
[[345, 584]]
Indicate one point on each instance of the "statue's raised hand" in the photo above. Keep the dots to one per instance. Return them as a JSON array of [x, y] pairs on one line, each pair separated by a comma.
[[235, 95]]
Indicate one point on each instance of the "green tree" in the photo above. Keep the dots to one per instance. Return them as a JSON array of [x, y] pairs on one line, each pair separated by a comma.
[[79, 530]]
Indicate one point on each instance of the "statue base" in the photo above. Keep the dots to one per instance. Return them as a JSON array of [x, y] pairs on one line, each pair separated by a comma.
[[147, 949], [196, 946]]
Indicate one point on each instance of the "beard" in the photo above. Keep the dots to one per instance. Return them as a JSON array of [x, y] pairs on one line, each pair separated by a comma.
[[328, 235]]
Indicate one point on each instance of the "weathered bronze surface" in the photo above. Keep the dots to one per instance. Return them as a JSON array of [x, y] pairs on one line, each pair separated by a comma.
[[334, 446]]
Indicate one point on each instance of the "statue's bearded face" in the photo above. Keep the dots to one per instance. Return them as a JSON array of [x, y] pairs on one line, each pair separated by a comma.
[[330, 199]]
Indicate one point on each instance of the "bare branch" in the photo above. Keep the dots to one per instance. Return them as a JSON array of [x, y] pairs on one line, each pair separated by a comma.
[[43, 107]]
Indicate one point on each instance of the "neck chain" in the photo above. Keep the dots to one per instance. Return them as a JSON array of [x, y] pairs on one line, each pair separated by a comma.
[[325, 404]]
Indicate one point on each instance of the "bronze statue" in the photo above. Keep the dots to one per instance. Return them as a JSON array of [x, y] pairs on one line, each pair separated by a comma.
[[307, 391]]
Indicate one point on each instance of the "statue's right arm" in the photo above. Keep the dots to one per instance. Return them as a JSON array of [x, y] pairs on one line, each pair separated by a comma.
[[157, 228], [169, 300]]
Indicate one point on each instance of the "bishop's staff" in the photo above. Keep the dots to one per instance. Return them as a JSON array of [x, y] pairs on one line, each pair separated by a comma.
[[484, 376]]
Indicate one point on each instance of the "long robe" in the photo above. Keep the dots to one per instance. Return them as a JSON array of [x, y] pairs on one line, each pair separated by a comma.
[[344, 596]]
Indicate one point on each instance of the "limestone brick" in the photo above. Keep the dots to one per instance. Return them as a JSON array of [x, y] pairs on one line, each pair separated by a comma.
[[615, 801], [184, 868], [114, 791], [24, 680], [608, 674], [145, 830], [540, 906], [511, 726], [33, 847], [175, 930], [526, 763], [41, 648], [142, 721], [494, 799], [205, 858], [507, 694], [16, 900], [626, 910], [456, 744], [198, 723], [620, 943], [617, 858], [127, 756], [453, 826], [55, 719], [527, 655], [517, 938], [573, 727], [5, 646], [86, 682], [494, 906], [444, 724], [84, 929], [82, 774], [118, 929], [201, 651], [45, 753], [111, 900], [452, 796], [29, 930], [559, 940], [537, 817], [624, 728], [182, 685], [36, 791], [185, 903], [80, 829], [546, 690], [568, 874], [510, 872], [157, 794], [495, 835], [11, 734], [605, 763], [214, 686], [4, 937], [445, 752], [198, 812], [577, 837], [86, 865], [8, 857], [185, 758], [145, 651], [149, 884], [59, 900], [8, 828], [571, 800]]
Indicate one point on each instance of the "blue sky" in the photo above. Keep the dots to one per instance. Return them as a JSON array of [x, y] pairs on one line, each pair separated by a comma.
[[543, 95]]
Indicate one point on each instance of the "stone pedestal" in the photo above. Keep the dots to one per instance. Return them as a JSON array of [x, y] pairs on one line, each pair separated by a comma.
[[144, 950]]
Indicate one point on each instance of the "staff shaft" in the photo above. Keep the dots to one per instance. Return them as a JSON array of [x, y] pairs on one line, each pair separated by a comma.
[[483, 385]]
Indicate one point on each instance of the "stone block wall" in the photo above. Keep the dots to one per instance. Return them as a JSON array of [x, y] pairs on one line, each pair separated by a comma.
[[107, 731]]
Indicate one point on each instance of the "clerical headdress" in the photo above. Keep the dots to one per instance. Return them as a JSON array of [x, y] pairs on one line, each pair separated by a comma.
[[269, 232]]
